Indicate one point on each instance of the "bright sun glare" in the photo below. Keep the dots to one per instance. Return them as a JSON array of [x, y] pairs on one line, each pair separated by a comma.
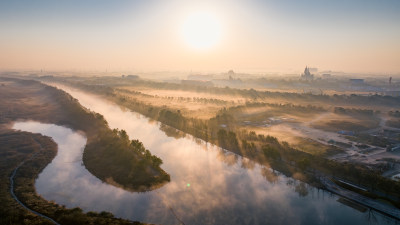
[[201, 30]]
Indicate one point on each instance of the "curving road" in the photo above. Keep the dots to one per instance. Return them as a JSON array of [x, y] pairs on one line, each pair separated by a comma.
[[16, 198]]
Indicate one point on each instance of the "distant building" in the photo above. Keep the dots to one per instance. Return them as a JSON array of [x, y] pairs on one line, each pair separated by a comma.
[[231, 74], [307, 75], [391, 148], [356, 81]]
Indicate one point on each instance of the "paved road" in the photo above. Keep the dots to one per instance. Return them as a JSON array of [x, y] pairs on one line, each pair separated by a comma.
[[378, 206]]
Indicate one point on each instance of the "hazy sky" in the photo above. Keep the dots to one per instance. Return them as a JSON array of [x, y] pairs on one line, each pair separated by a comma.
[[149, 35]]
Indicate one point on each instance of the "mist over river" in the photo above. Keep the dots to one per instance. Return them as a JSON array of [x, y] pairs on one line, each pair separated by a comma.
[[208, 184]]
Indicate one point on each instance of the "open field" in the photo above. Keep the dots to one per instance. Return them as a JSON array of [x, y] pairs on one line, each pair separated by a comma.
[[200, 112], [281, 136], [313, 123], [303, 130], [190, 103]]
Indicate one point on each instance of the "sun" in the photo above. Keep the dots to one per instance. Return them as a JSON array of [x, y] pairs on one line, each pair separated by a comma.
[[201, 30]]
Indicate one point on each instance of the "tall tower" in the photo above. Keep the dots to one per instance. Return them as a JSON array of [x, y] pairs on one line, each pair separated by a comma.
[[307, 75]]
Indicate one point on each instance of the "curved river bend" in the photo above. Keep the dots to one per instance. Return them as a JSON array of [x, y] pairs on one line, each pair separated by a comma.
[[208, 185]]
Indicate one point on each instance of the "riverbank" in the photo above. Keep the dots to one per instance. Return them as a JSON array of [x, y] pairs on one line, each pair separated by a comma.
[[35, 151], [12, 186], [263, 149], [209, 183], [371, 203], [31, 100]]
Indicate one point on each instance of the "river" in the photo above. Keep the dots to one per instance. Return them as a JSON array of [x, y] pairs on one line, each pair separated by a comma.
[[208, 185]]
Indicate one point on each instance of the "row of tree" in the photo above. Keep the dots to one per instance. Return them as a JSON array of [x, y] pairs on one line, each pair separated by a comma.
[[263, 148]]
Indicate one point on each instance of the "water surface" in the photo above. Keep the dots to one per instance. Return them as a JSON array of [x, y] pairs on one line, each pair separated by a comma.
[[208, 185]]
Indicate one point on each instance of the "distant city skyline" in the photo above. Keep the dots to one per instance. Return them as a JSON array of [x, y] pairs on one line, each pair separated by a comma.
[[351, 36]]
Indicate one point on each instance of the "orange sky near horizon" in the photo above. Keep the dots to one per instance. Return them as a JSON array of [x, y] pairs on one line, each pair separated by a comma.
[[250, 36]]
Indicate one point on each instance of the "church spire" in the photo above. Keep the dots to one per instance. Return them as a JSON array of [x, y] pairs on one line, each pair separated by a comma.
[[307, 75]]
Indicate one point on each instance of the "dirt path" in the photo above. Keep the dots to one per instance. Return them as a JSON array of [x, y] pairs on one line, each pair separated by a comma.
[[16, 198]]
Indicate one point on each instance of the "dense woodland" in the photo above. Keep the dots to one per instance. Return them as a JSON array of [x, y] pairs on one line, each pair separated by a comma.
[[132, 167]]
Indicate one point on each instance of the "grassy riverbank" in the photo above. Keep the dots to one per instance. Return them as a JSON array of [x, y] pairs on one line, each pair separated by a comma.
[[225, 131], [18, 147], [109, 154]]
